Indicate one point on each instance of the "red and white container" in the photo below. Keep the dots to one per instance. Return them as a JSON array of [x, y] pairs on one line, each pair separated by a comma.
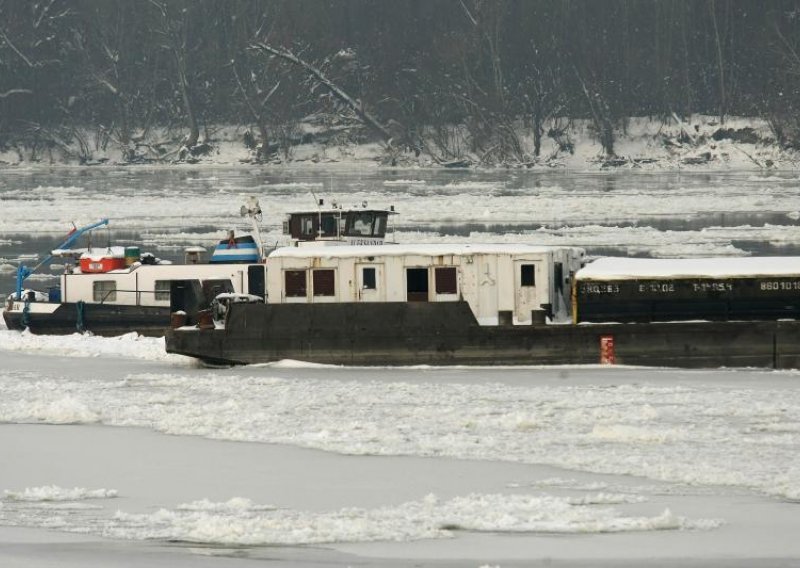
[[103, 259]]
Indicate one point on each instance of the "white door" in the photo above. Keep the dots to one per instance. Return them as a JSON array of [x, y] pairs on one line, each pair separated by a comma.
[[369, 279], [526, 281]]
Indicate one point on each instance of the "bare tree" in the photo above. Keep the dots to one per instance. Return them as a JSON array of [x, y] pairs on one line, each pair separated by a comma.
[[723, 107], [34, 48], [539, 88], [256, 100], [457, 79], [782, 109], [600, 111], [174, 31]]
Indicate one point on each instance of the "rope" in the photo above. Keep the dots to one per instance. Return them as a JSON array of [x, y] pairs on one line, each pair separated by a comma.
[[26, 313], [79, 323]]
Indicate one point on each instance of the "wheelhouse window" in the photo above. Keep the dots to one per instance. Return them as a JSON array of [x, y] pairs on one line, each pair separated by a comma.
[[307, 225], [324, 282], [162, 290], [368, 279], [104, 291], [528, 275], [417, 284], [329, 225], [380, 226], [446, 280], [362, 224], [295, 283]]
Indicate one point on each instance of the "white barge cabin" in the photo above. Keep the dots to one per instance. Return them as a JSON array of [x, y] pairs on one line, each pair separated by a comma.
[[503, 284], [149, 285]]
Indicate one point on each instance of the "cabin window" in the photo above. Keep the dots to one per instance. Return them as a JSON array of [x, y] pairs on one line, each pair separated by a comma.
[[162, 289], [528, 275], [417, 284], [104, 291], [307, 225], [323, 282], [380, 226], [329, 225], [368, 279], [296, 286], [446, 280], [362, 224]]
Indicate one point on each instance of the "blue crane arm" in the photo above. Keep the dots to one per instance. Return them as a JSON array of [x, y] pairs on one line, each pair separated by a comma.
[[23, 271]]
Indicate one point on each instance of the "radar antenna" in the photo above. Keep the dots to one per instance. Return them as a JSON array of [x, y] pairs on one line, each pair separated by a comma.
[[252, 209]]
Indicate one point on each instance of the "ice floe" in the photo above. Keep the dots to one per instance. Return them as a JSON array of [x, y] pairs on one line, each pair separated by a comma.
[[704, 434], [56, 493], [130, 345], [239, 521]]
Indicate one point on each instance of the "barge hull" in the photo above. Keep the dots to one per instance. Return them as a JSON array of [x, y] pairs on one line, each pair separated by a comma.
[[447, 334], [99, 319]]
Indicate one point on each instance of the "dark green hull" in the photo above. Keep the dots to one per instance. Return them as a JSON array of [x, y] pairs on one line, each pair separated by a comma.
[[447, 333], [99, 319]]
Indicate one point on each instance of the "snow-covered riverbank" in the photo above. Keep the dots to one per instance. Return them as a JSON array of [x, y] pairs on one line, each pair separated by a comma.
[[698, 143]]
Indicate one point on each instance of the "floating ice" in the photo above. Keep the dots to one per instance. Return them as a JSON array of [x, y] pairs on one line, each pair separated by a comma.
[[65, 410], [597, 209], [403, 182], [239, 521], [426, 518], [232, 505], [56, 493], [42, 276], [131, 345], [680, 434]]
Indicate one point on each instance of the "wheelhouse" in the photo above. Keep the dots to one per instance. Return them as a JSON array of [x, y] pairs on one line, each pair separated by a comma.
[[338, 226]]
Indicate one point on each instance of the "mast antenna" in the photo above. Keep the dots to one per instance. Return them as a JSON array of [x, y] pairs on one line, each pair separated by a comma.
[[252, 209]]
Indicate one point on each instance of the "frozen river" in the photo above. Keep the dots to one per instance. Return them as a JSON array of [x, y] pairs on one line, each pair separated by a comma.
[[629, 213], [115, 454]]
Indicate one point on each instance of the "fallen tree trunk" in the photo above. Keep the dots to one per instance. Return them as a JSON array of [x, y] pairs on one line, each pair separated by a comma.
[[337, 91]]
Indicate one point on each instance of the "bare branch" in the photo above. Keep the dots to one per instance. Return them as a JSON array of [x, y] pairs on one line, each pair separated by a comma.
[[271, 92], [15, 92], [790, 52], [106, 83], [467, 12], [17, 51], [42, 13]]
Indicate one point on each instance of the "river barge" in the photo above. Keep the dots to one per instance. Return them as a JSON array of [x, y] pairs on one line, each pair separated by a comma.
[[115, 290], [495, 305], [663, 290]]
